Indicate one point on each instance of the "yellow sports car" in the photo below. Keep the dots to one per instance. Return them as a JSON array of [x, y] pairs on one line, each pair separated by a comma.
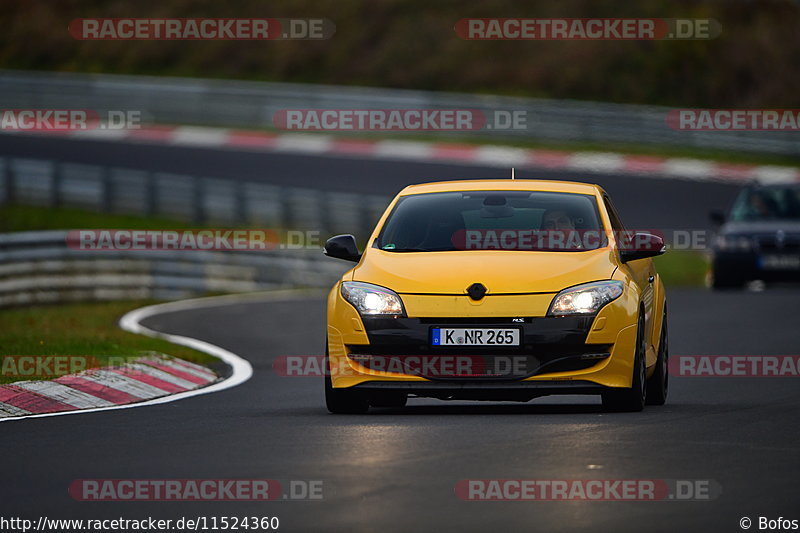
[[497, 290]]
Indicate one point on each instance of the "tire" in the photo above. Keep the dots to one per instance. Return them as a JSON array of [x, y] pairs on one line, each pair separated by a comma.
[[392, 399], [658, 384], [343, 401], [631, 399]]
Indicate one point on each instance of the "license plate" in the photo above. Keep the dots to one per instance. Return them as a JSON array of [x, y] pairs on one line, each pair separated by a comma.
[[780, 262], [475, 336]]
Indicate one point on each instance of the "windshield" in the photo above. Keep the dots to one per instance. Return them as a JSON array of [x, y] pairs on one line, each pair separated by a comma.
[[767, 203], [493, 220]]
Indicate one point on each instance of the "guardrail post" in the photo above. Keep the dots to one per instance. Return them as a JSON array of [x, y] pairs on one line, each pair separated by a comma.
[[150, 194], [58, 178], [240, 199], [108, 190], [364, 220], [287, 215], [199, 201], [325, 208], [8, 180]]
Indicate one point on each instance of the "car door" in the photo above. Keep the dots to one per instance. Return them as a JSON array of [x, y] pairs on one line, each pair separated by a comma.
[[641, 271]]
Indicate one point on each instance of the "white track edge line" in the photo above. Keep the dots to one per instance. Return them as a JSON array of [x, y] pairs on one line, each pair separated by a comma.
[[242, 370]]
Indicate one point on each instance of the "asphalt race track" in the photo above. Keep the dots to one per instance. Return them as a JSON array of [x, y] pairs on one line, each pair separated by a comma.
[[642, 201], [396, 470]]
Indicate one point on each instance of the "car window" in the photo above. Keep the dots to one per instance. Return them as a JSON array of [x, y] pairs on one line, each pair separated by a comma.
[[513, 220], [767, 203], [616, 222]]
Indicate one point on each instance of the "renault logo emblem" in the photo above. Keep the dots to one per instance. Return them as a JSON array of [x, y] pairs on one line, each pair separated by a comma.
[[476, 291], [780, 238]]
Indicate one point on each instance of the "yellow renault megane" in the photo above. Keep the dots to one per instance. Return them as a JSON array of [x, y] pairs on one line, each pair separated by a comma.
[[497, 290]]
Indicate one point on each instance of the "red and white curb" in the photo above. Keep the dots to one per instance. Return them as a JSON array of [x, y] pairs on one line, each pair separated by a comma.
[[149, 381], [445, 152], [145, 378]]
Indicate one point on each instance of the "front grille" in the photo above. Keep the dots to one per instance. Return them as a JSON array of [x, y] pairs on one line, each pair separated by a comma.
[[772, 243], [506, 321], [467, 364], [547, 344]]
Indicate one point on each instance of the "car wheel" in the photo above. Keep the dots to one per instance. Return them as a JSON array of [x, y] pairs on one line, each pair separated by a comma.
[[658, 383], [343, 401], [393, 399], [631, 399]]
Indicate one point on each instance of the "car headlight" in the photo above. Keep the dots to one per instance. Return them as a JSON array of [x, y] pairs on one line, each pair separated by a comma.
[[372, 300], [738, 243], [585, 299]]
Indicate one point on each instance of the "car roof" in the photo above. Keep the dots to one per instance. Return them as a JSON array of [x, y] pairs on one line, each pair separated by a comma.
[[503, 185]]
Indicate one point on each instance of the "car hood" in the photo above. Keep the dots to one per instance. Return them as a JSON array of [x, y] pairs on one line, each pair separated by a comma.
[[763, 227], [501, 272]]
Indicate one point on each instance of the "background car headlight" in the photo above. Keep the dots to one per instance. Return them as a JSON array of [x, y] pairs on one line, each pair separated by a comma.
[[585, 299], [372, 300]]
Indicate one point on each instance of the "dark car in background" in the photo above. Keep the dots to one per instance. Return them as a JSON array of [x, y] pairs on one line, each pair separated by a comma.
[[760, 238]]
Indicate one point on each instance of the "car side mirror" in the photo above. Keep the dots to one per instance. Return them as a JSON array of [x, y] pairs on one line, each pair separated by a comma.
[[641, 245], [342, 247], [717, 217]]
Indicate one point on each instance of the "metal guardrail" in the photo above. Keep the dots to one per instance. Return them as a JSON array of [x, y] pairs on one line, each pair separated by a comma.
[[253, 104], [182, 197], [39, 267]]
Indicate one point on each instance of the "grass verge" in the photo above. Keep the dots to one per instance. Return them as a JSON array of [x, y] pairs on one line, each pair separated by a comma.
[[32, 218], [80, 329], [682, 268]]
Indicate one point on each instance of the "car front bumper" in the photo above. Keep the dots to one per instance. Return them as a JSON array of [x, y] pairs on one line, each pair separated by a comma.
[[766, 265], [481, 390], [556, 355]]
